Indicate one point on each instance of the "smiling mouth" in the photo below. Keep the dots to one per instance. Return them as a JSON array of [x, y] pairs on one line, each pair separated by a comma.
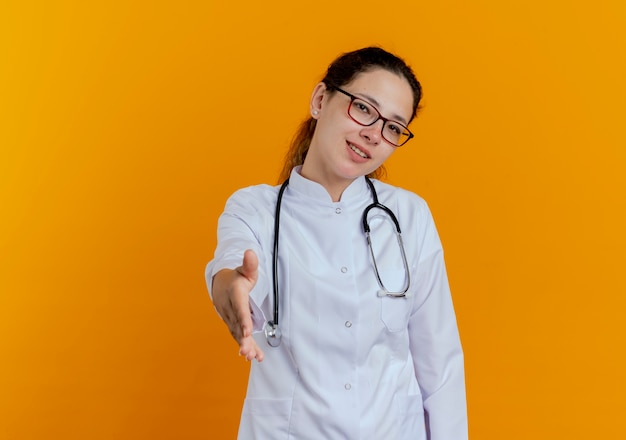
[[357, 151]]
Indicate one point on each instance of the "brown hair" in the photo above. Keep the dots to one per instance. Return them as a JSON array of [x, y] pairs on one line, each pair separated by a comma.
[[341, 72]]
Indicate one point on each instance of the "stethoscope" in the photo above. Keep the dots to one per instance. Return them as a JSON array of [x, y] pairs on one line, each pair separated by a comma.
[[271, 329]]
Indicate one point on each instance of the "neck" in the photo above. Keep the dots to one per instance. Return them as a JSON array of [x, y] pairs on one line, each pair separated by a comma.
[[334, 186]]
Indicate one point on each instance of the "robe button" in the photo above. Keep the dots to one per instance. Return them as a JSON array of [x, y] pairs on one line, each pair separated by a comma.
[[344, 269], [347, 386], [348, 324], [338, 211]]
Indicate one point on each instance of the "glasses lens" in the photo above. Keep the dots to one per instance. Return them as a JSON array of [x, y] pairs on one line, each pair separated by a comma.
[[395, 133], [365, 114], [362, 112]]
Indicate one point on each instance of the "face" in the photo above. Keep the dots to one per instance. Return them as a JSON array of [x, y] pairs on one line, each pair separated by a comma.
[[342, 150]]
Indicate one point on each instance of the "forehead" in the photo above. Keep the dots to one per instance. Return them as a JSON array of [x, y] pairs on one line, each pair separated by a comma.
[[388, 91]]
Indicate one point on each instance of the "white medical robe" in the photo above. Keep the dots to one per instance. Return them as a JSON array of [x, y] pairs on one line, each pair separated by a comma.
[[352, 365]]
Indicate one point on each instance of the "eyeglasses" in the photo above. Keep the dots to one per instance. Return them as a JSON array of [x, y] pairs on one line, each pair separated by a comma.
[[364, 113]]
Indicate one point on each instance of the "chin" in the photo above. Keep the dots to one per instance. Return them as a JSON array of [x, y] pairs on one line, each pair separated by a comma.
[[355, 174], [350, 170]]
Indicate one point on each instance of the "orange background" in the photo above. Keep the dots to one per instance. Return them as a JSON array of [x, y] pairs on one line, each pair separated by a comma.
[[124, 128]]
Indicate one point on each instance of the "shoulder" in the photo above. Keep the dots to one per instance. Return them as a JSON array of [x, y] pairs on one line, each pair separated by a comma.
[[253, 207], [414, 215], [411, 209], [388, 193], [251, 204], [253, 195]]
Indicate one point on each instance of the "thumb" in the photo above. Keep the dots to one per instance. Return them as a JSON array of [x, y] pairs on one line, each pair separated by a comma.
[[249, 267]]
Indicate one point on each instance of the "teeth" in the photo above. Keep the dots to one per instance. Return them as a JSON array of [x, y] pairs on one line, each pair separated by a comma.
[[357, 151]]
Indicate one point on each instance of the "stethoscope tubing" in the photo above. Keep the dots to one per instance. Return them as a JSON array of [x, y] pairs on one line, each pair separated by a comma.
[[275, 260], [272, 330]]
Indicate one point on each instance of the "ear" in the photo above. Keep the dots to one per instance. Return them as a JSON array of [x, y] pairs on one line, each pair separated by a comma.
[[318, 98]]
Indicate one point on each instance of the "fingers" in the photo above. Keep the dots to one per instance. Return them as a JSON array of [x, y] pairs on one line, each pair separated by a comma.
[[250, 350]]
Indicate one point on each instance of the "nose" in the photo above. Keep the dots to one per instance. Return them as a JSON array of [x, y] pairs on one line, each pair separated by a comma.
[[373, 133]]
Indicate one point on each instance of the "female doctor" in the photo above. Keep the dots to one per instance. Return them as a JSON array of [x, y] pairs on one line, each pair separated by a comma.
[[336, 280]]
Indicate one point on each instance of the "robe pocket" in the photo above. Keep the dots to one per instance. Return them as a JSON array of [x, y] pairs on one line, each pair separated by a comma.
[[410, 410], [267, 407], [394, 313], [265, 418]]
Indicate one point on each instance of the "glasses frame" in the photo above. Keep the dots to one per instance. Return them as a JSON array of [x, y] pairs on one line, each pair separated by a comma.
[[380, 116]]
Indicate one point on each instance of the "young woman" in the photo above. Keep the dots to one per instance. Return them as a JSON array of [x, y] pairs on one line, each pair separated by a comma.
[[363, 341]]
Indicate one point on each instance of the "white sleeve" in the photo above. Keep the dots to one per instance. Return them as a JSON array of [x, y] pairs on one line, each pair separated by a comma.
[[436, 347]]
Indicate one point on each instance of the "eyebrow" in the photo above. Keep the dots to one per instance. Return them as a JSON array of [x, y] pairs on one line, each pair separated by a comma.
[[373, 100]]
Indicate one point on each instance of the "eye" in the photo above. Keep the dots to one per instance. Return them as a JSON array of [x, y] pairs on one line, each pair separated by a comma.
[[362, 107], [395, 129]]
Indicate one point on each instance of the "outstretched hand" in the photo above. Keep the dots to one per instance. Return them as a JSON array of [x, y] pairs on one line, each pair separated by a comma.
[[231, 297]]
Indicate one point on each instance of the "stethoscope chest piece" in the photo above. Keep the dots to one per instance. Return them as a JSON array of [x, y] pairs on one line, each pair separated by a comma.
[[273, 334]]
